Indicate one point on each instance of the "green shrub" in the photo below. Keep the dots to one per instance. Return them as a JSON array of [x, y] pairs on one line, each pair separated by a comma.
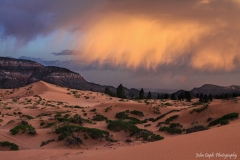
[[122, 115], [27, 116], [224, 122], [163, 115], [167, 104], [48, 125], [174, 125], [66, 116], [99, 117], [77, 119], [23, 128], [68, 130], [147, 125], [209, 119], [57, 115], [77, 107], [147, 135], [138, 113], [119, 125], [171, 130], [93, 110], [12, 146], [200, 109], [46, 142], [229, 116], [196, 129], [171, 118], [108, 108], [42, 123], [44, 114]]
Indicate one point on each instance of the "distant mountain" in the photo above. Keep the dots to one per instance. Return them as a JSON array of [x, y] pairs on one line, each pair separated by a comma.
[[212, 89], [16, 73], [215, 90]]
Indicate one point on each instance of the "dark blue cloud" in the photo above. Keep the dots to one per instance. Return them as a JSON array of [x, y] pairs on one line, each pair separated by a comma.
[[64, 52]]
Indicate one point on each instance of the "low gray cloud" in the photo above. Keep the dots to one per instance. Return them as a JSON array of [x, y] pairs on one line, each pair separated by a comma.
[[64, 53]]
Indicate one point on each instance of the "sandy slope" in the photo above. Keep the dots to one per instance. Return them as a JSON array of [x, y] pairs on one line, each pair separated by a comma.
[[224, 139], [43, 98]]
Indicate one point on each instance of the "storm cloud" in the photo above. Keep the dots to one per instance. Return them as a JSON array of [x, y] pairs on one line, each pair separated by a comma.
[[176, 39]]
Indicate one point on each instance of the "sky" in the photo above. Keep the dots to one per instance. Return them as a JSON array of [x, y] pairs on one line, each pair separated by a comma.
[[167, 44]]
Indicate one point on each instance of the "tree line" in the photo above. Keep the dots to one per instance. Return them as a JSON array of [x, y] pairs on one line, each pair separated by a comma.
[[184, 95]]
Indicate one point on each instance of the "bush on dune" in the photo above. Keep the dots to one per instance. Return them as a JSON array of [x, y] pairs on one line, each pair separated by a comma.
[[200, 109], [196, 129], [23, 127], [226, 117], [119, 125], [99, 117], [138, 113], [170, 130], [163, 115], [171, 118], [12, 146], [124, 116], [68, 130]]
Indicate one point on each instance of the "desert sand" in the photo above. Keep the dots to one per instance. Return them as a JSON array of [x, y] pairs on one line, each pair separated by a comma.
[[42, 101]]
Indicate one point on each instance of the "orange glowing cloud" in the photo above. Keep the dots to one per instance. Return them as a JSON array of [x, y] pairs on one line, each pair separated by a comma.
[[139, 42]]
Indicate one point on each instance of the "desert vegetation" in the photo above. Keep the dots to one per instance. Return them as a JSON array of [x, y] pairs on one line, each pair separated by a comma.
[[23, 126], [12, 146], [224, 119]]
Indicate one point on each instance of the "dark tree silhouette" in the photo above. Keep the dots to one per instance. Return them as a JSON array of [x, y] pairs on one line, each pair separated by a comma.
[[188, 96], [149, 95], [210, 97], [120, 92], [205, 98], [158, 96], [197, 95], [109, 92], [173, 97], [141, 94], [166, 96], [201, 98], [226, 96], [179, 97]]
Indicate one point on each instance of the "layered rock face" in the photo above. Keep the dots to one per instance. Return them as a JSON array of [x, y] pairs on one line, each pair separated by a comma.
[[16, 73]]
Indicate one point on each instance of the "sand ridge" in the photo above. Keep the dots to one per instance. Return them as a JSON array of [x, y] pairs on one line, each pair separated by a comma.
[[43, 101]]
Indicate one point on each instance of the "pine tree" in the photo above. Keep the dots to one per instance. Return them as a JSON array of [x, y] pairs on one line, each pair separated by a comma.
[[158, 96], [201, 98], [120, 92], [108, 92], [210, 97], [141, 94], [166, 96], [173, 97], [197, 95], [226, 96], [179, 97], [188, 96], [182, 96], [205, 98], [149, 95]]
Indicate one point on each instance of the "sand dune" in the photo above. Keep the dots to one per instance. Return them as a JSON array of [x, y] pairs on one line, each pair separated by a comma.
[[42, 102]]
